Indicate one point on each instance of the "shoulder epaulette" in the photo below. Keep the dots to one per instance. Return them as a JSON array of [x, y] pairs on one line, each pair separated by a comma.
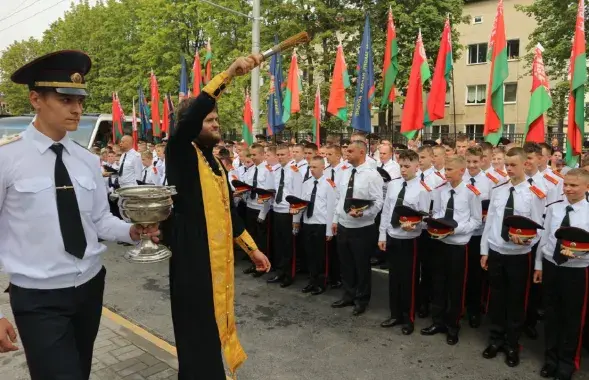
[[234, 177], [230, 167], [269, 168], [396, 178], [332, 183], [501, 184], [345, 167], [501, 173], [539, 193], [473, 189], [154, 170], [294, 168], [558, 174], [440, 175], [443, 184], [550, 179], [490, 176], [550, 204], [10, 139]]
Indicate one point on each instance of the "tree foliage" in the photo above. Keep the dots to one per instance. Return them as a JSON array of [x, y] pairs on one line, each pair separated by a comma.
[[126, 39]]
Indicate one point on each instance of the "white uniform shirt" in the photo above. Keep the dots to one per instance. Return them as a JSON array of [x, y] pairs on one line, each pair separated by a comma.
[[525, 203], [265, 180], [467, 211], [431, 179], [371, 162], [555, 213], [392, 168], [32, 251], [416, 197], [484, 185], [131, 166], [150, 175], [367, 185], [335, 174], [305, 169], [551, 190], [292, 186], [324, 206]]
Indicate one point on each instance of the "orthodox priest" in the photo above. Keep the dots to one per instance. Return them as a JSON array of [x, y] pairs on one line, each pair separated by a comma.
[[205, 226]]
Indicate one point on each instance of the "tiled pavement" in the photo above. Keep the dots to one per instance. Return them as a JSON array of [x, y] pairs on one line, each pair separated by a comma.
[[119, 353]]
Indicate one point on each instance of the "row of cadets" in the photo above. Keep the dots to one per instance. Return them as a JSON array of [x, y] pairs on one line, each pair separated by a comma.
[[476, 179], [457, 214], [321, 194], [398, 237], [287, 182], [360, 199], [257, 176], [562, 268], [507, 257]]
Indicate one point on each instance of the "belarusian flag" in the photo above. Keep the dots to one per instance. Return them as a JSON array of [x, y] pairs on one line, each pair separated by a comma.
[[155, 106], [578, 74], [294, 87], [413, 109], [196, 75], [208, 63], [248, 121], [317, 118], [135, 132], [117, 125], [391, 64], [340, 82], [540, 102], [494, 114], [436, 104]]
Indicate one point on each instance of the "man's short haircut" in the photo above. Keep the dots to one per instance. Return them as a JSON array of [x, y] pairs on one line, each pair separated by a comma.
[[298, 145], [543, 145], [475, 151], [517, 152], [283, 147], [532, 147], [486, 146], [585, 162], [462, 138], [318, 158], [426, 148], [313, 147], [456, 159], [450, 144], [499, 149], [336, 149], [579, 172], [345, 142], [258, 147], [439, 147], [359, 144], [146, 154], [358, 134], [224, 154], [408, 154], [271, 149]]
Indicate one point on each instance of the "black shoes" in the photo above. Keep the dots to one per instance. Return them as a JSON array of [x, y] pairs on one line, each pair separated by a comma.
[[548, 371], [423, 311], [391, 322], [308, 289], [474, 321], [452, 338], [274, 280], [249, 270], [491, 351], [286, 282], [531, 332], [359, 310], [407, 329], [433, 330], [342, 303], [318, 290], [512, 357]]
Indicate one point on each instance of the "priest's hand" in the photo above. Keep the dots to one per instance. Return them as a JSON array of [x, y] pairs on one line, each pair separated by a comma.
[[7, 336], [243, 65], [151, 230], [260, 261]]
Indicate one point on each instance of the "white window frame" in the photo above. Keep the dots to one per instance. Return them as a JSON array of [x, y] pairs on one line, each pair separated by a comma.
[[474, 20], [477, 92], [504, 92], [468, 54], [509, 128], [474, 134], [507, 48]]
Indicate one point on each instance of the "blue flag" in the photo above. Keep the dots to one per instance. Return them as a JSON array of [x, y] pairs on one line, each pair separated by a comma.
[[361, 117], [275, 98], [172, 115], [183, 79], [145, 115]]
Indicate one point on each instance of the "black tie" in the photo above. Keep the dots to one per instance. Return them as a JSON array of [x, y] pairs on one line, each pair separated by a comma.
[[450, 206], [333, 174], [395, 219], [530, 181], [254, 184], [311, 205], [508, 212], [122, 166], [382, 166], [422, 176], [307, 173], [558, 257], [349, 192], [587, 196], [145, 175], [280, 187], [70, 221], [472, 181]]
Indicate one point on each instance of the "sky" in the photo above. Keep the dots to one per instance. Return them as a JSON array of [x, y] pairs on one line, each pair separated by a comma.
[[22, 19]]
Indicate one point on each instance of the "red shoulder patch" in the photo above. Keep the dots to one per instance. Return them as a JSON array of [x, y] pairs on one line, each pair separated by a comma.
[[492, 178], [294, 168], [154, 170], [344, 167], [425, 186], [551, 179], [558, 174], [539, 193], [332, 183], [473, 189], [501, 173], [440, 175], [269, 168]]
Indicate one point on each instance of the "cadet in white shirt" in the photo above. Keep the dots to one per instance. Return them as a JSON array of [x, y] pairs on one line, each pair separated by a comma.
[[355, 229], [386, 161], [298, 156], [258, 176], [130, 165], [287, 181], [321, 193], [149, 174], [53, 209], [476, 179], [507, 259], [336, 165], [452, 201], [398, 239]]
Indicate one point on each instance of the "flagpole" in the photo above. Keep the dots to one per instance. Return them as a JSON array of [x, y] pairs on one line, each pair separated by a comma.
[[453, 103]]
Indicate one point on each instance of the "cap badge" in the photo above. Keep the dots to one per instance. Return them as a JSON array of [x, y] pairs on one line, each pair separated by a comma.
[[573, 244], [76, 78]]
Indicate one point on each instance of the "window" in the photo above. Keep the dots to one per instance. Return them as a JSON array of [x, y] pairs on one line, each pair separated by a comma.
[[512, 49], [477, 20], [448, 96], [477, 53], [509, 128], [476, 94], [510, 93], [474, 131], [439, 131]]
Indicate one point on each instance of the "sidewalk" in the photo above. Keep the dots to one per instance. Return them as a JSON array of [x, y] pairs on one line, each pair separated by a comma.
[[122, 351]]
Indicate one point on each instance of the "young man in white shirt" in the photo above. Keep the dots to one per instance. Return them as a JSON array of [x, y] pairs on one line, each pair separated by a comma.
[[149, 175]]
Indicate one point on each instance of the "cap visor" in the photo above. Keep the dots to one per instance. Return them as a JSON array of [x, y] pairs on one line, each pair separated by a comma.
[[71, 91]]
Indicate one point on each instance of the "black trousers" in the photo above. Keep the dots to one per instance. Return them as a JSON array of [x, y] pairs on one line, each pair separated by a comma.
[[426, 246], [58, 327], [258, 231], [565, 299], [474, 283], [449, 285], [509, 280], [402, 258], [333, 270], [283, 239], [314, 240], [354, 247], [535, 295]]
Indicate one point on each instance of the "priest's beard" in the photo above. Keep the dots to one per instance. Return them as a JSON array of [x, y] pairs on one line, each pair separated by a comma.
[[207, 140]]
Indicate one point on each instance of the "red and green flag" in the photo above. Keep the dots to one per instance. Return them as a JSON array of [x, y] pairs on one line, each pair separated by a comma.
[[337, 105], [391, 64], [208, 63], [117, 118], [578, 75], [294, 87], [494, 113], [196, 75], [317, 118], [247, 130], [414, 115], [166, 116], [155, 107], [540, 101], [436, 103]]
